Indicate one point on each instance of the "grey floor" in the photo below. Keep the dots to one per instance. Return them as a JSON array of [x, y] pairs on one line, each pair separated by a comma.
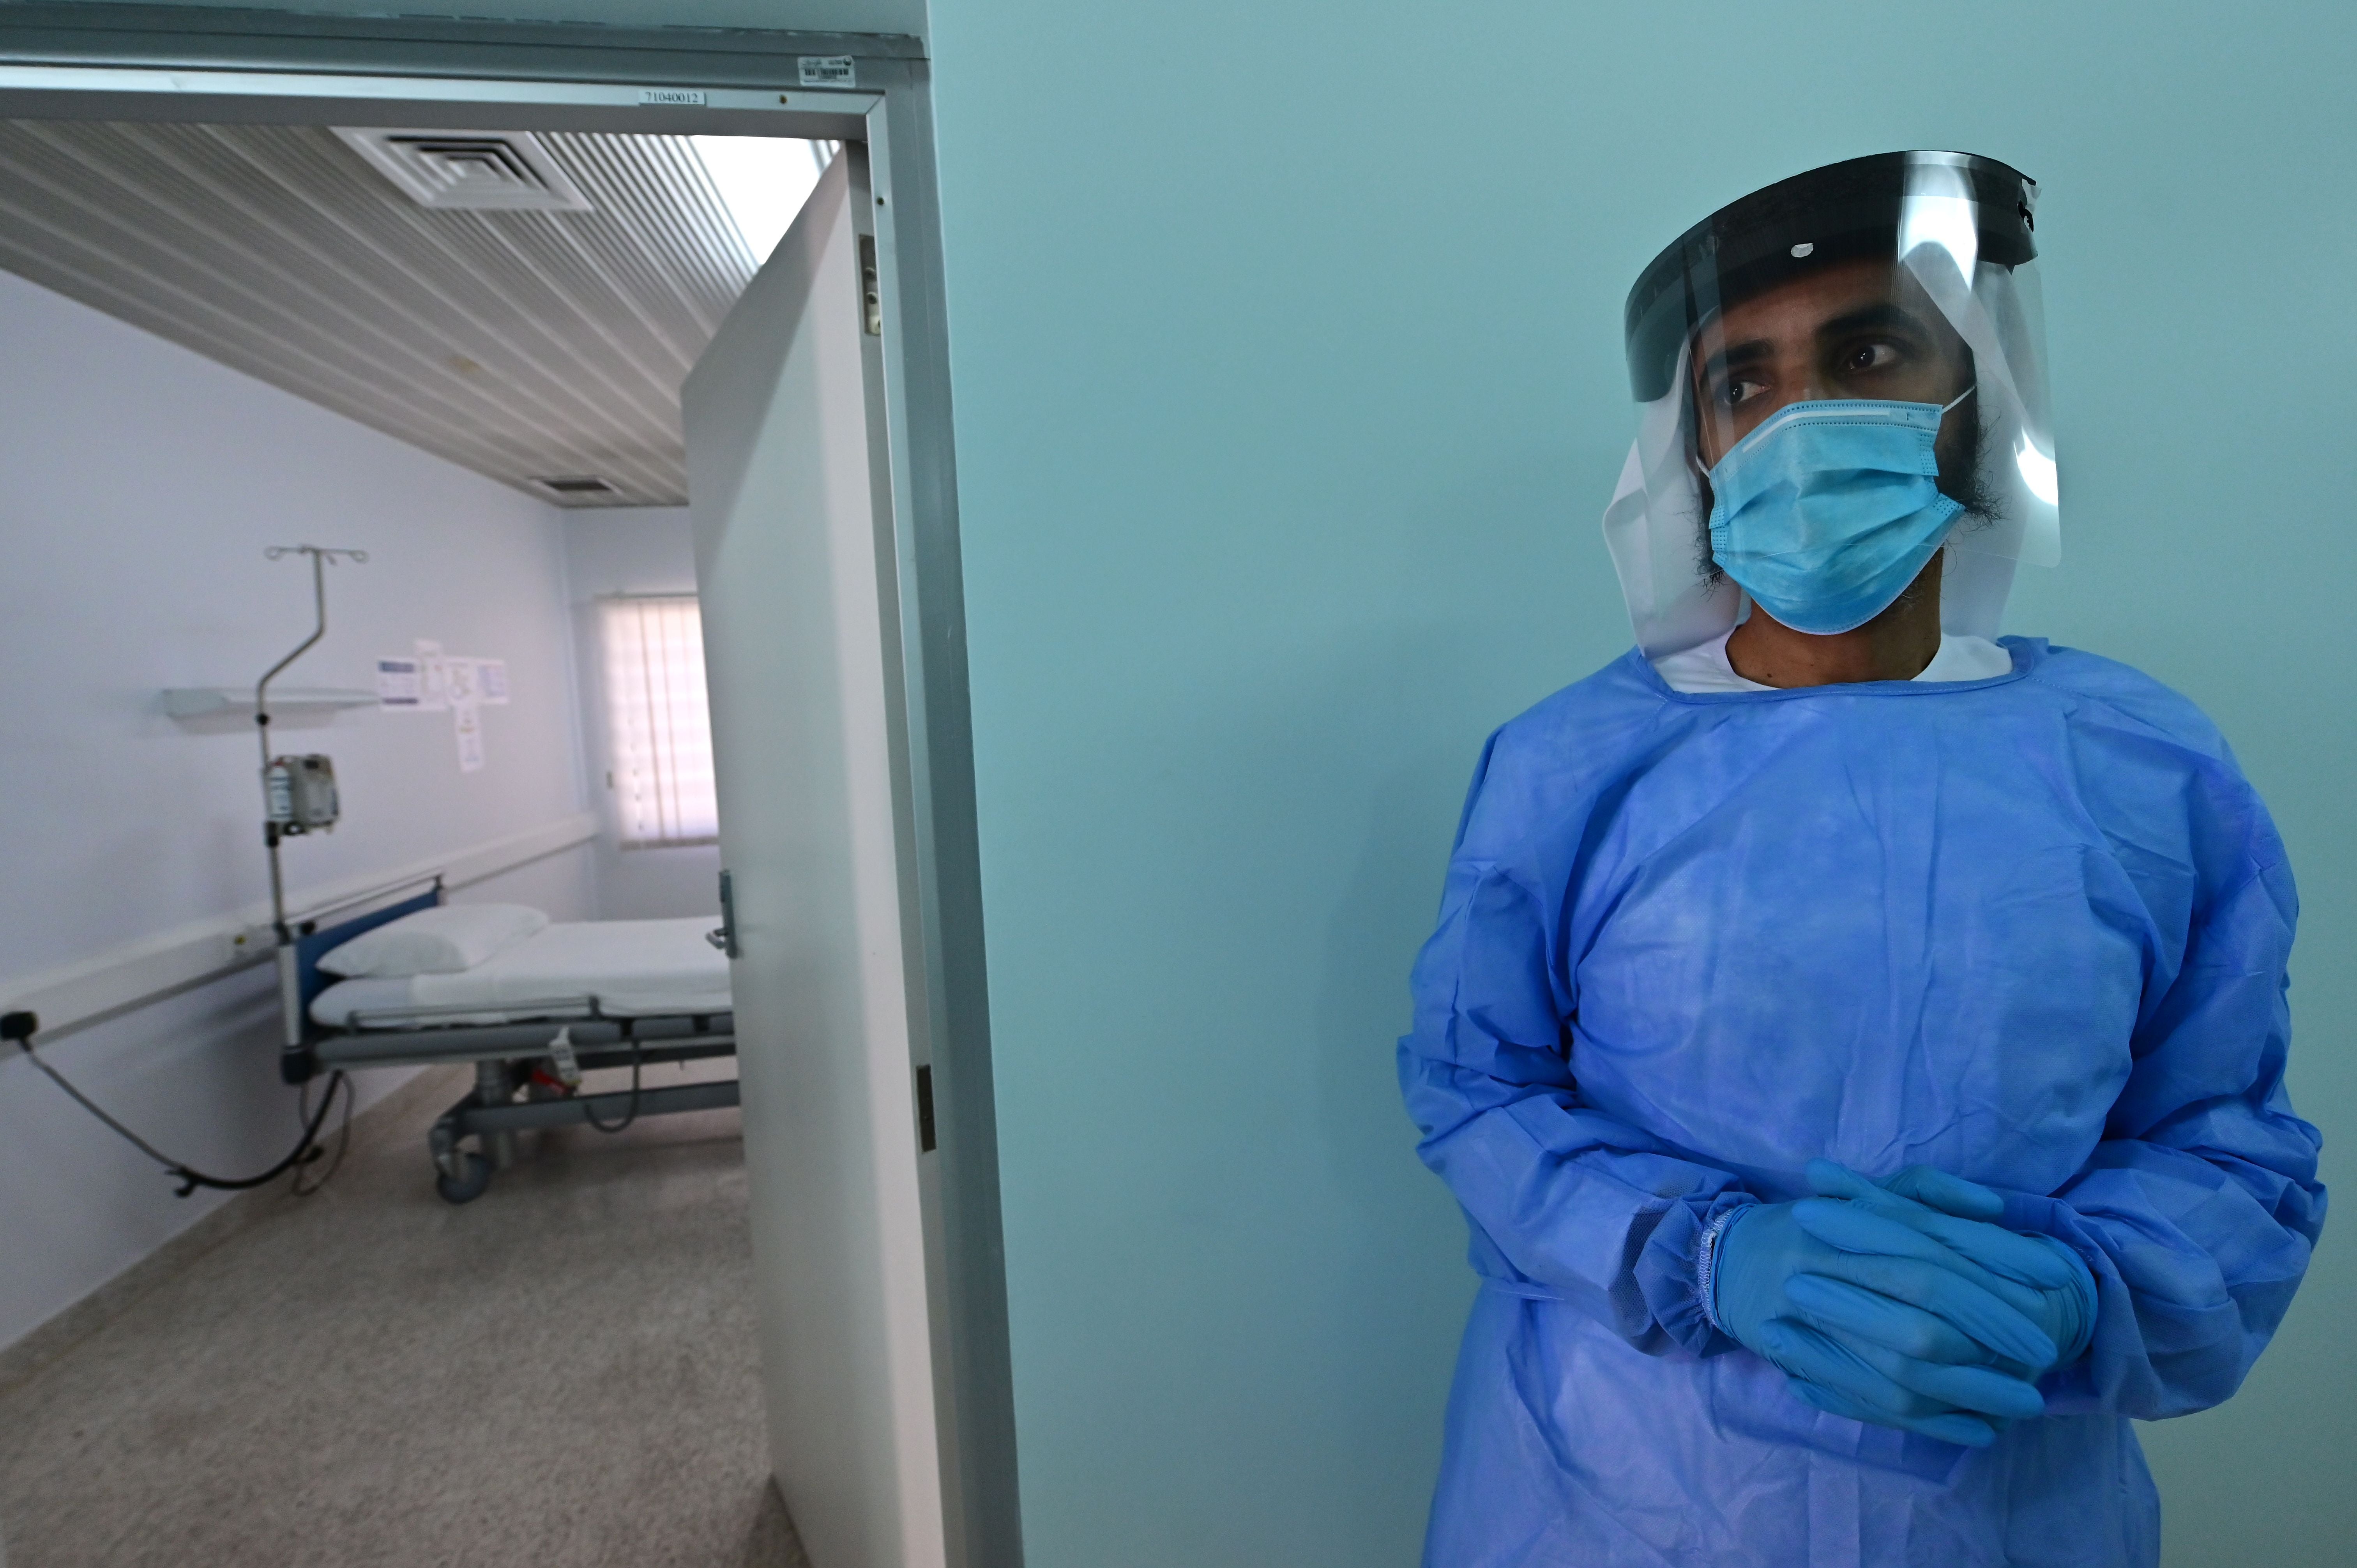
[[561, 1372]]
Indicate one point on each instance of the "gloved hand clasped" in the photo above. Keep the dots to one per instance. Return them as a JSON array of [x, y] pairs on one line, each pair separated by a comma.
[[1915, 1314], [2039, 1276]]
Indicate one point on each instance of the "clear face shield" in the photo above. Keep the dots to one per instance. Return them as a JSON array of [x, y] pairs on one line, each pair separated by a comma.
[[1898, 292]]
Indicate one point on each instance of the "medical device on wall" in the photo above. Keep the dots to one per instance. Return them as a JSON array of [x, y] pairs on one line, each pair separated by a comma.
[[299, 793]]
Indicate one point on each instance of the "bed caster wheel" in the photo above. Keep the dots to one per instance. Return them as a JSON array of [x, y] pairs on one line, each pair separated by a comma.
[[475, 1176]]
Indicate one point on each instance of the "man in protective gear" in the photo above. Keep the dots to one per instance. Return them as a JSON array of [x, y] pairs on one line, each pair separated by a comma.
[[1856, 1040]]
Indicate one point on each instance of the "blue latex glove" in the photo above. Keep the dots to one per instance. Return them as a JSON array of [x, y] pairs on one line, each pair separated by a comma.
[[1922, 1212], [1936, 1380]]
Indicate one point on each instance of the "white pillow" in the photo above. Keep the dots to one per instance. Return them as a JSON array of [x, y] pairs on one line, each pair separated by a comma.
[[441, 940]]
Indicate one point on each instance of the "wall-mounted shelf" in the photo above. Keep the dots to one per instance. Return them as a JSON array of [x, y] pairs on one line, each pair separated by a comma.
[[198, 702]]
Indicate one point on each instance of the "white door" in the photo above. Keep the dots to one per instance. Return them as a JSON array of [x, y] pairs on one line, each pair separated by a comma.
[[793, 566]]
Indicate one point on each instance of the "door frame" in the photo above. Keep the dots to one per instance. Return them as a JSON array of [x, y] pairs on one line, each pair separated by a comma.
[[174, 63]]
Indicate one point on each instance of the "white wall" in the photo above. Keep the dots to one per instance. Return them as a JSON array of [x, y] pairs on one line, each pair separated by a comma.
[[138, 485], [631, 550]]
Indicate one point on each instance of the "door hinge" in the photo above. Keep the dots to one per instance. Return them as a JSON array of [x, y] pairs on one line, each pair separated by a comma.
[[925, 1110], [871, 296]]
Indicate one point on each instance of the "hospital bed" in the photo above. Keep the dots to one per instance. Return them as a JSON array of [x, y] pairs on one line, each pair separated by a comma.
[[569, 999]]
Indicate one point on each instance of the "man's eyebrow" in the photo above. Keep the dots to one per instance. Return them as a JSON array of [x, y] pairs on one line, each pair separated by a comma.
[[1869, 317], [1736, 355]]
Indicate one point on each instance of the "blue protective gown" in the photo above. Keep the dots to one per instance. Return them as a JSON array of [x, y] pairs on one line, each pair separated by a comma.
[[2031, 930]]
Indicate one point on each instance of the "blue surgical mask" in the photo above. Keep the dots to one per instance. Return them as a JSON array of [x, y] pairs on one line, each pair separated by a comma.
[[1827, 511]]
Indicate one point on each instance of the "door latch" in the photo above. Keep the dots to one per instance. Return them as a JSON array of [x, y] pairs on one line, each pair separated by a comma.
[[724, 939]]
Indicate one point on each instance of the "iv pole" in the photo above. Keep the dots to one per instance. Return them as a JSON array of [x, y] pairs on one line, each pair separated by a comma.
[[290, 998]]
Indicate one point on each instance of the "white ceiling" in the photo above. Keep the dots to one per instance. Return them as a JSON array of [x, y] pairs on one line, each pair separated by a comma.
[[523, 345]]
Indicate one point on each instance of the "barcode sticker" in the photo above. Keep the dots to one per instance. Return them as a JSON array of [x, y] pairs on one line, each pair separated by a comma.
[[829, 71]]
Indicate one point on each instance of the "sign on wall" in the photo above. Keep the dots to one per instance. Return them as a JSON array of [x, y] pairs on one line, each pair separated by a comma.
[[431, 680]]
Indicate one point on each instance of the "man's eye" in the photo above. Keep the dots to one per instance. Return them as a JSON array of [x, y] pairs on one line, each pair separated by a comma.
[[1736, 393], [1870, 356]]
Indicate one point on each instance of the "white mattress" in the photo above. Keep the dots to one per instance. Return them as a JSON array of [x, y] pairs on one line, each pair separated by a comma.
[[635, 969]]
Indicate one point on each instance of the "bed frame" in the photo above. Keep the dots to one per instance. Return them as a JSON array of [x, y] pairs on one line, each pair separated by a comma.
[[512, 1092]]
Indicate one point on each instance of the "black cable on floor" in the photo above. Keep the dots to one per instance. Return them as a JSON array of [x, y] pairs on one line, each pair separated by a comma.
[[343, 1134], [21, 1028]]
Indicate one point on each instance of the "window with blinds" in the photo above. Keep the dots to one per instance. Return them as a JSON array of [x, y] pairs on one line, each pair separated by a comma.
[[658, 724]]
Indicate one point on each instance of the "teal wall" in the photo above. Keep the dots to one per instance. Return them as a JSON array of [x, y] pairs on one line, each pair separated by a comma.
[[1289, 389]]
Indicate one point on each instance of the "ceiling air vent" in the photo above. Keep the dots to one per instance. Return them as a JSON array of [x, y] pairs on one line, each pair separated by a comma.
[[577, 486], [477, 170]]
